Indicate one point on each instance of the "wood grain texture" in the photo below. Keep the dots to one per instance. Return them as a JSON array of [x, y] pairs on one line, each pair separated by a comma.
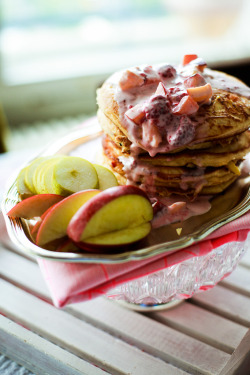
[[208, 334]]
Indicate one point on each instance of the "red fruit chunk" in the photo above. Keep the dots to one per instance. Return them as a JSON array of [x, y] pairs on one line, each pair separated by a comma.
[[136, 114], [194, 81], [131, 80], [161, 90], [188, 58], [201, 94], [187, 106], [34, 206], [167, 71]]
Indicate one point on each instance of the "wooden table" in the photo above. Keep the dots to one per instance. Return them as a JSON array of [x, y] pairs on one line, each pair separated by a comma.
[[208, 334]]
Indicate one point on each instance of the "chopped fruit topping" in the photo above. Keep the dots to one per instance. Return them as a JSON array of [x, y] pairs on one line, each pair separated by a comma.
[[157, 106], [233, 168], [161, 90], [176, 207], [201, 93], [150, 75], [201, 64], [167, 71], [130, 80], [184, 133], [136, 114], [188, 58], [150, 134], [187, 106], [194, 81]]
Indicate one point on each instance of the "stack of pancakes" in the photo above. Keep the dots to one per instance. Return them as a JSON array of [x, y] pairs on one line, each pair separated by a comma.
[[207, 164]]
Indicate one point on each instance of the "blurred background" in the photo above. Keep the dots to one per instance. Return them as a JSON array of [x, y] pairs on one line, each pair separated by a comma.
[[55, 53]]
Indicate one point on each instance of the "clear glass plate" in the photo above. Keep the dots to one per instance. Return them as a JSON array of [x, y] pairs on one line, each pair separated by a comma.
[[85, 141], [170, 286]]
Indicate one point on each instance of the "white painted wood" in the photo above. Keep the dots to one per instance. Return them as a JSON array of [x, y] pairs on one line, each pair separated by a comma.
[[78, 337], [151, 336], [225, 302], [239, 281], [239, 363], [39, 355], [203, 325], [23, 272]]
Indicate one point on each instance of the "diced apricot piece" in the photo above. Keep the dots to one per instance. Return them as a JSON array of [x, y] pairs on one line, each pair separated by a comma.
[[194, 81], [161, 90], [130, 80], [201, 93], [188, 58], [136, 114], [187, 106]]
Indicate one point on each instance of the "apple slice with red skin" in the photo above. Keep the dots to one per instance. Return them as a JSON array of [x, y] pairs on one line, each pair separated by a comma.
[[111, 241], [55, 223], [119, 215], [68, 246], [34, 206]]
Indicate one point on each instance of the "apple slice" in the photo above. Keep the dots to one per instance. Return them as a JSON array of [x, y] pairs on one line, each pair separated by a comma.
[[38, 176], [21, 186], [72, 174], [68, 246], [108, 241], [34, 206], [56, 221], [114, 210], [29, 172], [106, 178]]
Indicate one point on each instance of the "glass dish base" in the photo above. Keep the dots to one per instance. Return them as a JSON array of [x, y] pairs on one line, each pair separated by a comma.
[[168, 287]]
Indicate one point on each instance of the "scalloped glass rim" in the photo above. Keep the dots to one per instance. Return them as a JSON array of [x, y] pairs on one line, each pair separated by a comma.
[[18, 229], [164, 288]]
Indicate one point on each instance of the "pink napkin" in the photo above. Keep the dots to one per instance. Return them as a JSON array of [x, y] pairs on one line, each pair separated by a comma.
[[74, 282]]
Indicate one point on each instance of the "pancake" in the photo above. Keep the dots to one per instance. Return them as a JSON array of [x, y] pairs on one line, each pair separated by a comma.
[[184, 132], [217, 155], [227, 115]]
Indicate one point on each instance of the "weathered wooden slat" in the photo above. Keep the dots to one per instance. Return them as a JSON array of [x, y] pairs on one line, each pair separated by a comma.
[[23, 272], [226, 303], [151, 336], [239, 363], [78, 337], [36, 285], [39, 355], [239, 281], [203, 325]]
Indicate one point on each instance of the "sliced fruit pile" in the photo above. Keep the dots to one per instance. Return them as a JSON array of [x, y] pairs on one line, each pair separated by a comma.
[[62, 175], [91, 219]]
